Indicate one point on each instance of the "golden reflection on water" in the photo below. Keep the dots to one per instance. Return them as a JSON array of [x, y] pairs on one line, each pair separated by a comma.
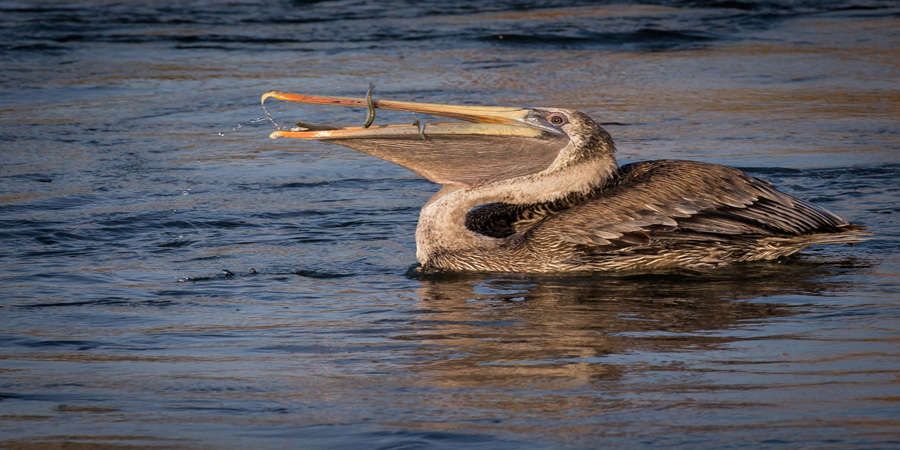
[[575, 351], [551, 330]]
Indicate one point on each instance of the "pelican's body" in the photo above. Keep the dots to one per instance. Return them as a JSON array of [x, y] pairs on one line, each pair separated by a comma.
[[538, 190], [646, 215]]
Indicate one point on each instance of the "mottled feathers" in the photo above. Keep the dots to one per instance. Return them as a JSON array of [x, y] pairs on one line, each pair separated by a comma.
[[653, 210]]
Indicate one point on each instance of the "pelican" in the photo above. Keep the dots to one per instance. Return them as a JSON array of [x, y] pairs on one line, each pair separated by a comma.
[[538, 190]]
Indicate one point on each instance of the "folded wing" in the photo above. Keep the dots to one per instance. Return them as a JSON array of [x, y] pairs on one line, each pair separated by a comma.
[[684, 200]]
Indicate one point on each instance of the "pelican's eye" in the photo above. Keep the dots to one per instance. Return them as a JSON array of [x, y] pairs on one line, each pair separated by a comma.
[[557, 119]]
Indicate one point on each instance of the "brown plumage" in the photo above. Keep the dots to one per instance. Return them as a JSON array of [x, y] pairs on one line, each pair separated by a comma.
[[659, 214], [539, 190]]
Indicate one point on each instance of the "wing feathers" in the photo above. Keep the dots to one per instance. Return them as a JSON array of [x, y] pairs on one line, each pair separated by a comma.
[[668, 199]]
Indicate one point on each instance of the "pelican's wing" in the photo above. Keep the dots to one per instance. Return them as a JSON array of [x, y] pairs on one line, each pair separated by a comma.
[[684, 199]]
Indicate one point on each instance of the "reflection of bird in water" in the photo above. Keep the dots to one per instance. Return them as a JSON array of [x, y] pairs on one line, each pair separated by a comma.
[[552, 331], [539, 190]]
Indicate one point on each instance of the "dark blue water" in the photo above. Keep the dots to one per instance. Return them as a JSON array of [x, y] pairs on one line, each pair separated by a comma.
[[171, 278]]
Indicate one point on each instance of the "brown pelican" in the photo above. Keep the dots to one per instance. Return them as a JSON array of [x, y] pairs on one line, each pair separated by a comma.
[[539, 190]]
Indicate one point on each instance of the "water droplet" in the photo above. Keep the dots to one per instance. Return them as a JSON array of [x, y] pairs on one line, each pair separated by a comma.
[[269, 116], [221, 133]]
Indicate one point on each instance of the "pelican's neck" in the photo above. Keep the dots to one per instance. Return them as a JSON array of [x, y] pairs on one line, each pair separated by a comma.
[[442, 231]]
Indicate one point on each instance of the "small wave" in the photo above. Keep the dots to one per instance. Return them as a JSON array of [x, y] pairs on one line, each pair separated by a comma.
[[99, 302], [72, 344], [881, 172], [322, 275], [39, 47], [647, 39]]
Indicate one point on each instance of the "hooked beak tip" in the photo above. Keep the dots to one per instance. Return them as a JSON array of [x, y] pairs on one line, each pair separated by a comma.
[[269, 95]]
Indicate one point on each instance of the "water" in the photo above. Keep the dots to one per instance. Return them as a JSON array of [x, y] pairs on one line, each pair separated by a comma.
[[173, 278]]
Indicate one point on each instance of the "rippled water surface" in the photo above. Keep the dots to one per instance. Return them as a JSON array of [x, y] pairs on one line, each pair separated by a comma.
[[171, 278]]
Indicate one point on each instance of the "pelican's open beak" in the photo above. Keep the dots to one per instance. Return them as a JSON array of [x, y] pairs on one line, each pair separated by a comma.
[[503, 121], [492, 142]]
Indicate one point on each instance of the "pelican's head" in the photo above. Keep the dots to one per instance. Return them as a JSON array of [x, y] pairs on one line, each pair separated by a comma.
[[490, 144]]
